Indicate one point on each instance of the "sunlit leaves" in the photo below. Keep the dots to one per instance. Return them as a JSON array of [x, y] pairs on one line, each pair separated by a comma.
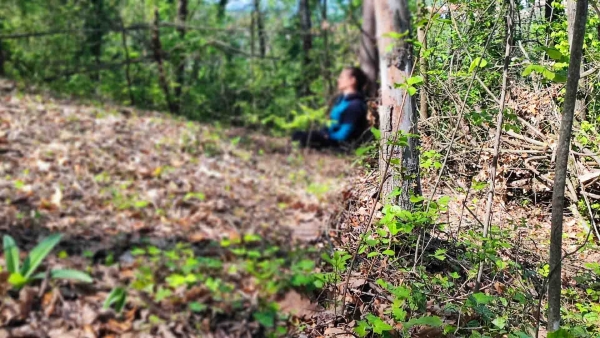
[[477, 62]]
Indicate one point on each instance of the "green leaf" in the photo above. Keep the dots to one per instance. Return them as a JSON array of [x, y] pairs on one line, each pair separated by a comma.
[[389, 252], [477, 61], [554, 54], [38, 254], [141, 204], [17, 280], [499, 322], [548, 74], [197, 307], [432, 321], [138, 252], [416, 199], [362, 329], [197, 195], [266, 319], [11, 254], [376, 132], [417, 79], [75, 275], [176, 280], [161, 294], [381, 327], [373, 254], [117, 296], [560, 333], [482, 298]]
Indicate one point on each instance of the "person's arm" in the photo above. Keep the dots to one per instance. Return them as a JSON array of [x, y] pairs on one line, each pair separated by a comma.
[[350, 118]]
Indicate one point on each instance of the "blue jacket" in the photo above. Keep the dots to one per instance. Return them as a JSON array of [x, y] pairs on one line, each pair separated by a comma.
[[348, 117]]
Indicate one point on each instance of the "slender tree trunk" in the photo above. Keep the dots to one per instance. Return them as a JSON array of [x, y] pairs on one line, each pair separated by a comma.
[[368, 54], [570, 8], [182, 13], [3, 51], [423, 108], [325, 35], [2, 59], [253, 33], [562, 156], [497, 139], [128, 64], [157, 51], [262, 43], [95, 37], [305, 27], [397, 112]]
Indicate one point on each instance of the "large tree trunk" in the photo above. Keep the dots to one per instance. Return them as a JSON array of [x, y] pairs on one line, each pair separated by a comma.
[[368, 56], [221, 10], [182, 12], [305, 27], [580, 104], [562, 155], [397, 113]]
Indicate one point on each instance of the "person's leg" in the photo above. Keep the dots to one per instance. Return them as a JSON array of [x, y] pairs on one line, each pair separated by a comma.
[[316, 139], [300, 137]]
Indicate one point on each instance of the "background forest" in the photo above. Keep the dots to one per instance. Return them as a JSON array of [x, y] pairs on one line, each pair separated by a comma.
[[245, 62], [144, 169]]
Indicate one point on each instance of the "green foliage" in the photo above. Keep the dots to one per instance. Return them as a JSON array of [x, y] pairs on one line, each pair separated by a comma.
[[116, 298], [23, 275]]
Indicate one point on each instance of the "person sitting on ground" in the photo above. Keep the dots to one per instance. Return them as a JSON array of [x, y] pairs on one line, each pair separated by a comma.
[[348, 115]]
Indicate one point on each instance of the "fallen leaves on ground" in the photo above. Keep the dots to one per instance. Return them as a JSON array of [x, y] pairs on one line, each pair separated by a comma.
[[115, 182]]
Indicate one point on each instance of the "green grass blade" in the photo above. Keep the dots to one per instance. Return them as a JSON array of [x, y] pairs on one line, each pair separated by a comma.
[[37, 255], [11, 254], [117, 296], [75, 275]]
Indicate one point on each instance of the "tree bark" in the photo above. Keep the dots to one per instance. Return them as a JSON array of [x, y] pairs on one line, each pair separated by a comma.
[[157, 51], [368, 54], [423, 108], [221, 11], [262, 43], [96, 36], [570, 8], [398, 114], [127, 65], [305, 27], [562, 156], [182, 13], [3, 51], [326, 62]]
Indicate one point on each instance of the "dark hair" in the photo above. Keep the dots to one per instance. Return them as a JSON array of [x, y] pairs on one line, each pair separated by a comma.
[[360, 76]]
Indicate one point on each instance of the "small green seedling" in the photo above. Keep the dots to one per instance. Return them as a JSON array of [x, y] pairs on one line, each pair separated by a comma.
[[23, 275], [118, 298]]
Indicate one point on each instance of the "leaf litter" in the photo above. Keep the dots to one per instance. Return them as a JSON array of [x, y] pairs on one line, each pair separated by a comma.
[[124, 185]]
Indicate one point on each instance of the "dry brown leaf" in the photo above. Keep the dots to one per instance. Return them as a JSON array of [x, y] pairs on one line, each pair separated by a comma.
[[298, 305], [26, 297], [337, 333], [117, 326]]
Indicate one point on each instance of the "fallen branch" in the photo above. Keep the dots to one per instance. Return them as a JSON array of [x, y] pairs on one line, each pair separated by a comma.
[[526, 139]]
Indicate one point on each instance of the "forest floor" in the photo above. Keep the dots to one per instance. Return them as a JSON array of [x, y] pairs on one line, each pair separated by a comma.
[[206, 228], [113, 180]]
